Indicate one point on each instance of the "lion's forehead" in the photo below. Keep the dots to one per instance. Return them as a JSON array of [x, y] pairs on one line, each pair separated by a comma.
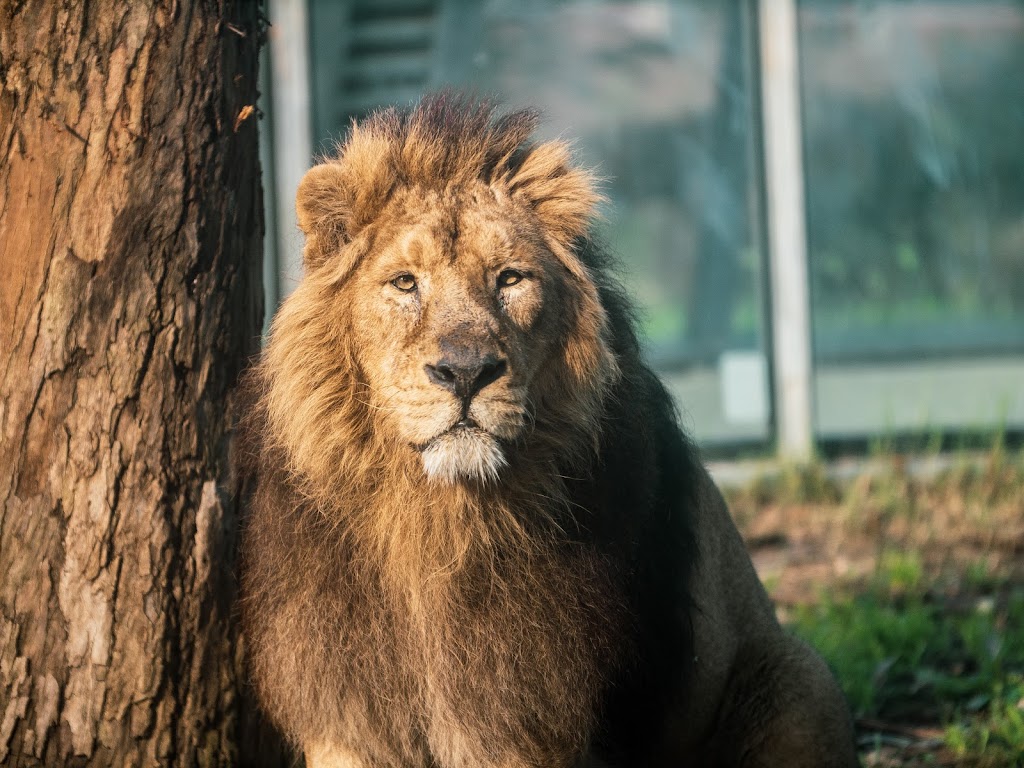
[[461, 227]]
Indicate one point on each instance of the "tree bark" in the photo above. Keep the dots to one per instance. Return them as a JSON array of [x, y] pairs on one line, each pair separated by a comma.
[[130, 244]]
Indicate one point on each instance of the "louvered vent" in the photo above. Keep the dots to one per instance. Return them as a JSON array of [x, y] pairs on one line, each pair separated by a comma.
[[391, 55], [369, 53]]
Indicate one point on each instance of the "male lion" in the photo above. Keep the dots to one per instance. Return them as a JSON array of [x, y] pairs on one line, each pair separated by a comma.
[[477, 534]]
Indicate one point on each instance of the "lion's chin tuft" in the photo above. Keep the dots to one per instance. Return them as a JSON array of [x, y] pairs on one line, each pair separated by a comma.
[[463, 454]]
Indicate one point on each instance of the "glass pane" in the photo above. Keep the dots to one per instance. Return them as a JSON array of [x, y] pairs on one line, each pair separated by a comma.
[[913, 117], [658, 96]]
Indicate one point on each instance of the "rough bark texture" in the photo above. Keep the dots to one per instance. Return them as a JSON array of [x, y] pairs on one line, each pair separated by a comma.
[[130, 240]]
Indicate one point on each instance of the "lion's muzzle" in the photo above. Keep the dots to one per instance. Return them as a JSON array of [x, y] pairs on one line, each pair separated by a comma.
[[466, 450]]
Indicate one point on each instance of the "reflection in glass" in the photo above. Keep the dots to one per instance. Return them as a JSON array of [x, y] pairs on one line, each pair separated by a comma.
[[913, 118]]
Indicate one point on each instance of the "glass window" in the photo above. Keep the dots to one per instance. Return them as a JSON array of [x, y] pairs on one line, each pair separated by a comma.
[[913, 120]]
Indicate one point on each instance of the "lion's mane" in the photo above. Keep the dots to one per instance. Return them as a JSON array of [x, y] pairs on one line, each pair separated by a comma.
[[470, 622], [314, 396]]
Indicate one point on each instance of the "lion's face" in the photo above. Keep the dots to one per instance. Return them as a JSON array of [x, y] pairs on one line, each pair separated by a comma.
[[445, 319], [454, 313]]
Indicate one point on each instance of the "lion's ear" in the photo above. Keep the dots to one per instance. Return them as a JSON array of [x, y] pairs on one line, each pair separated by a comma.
[[563, 197], [324, 210], [338, 199]]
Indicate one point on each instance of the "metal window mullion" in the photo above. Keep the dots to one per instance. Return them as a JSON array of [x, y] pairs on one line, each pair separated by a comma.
[[787, 232], [293, 143]]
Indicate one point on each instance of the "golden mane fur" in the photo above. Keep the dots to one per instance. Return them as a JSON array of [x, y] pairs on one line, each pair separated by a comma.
[[453, 563]]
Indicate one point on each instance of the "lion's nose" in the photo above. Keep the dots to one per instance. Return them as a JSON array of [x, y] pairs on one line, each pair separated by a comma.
[[466, 374]]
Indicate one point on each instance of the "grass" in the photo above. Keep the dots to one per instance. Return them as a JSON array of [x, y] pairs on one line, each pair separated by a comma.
[[916, 659], [911, 585]]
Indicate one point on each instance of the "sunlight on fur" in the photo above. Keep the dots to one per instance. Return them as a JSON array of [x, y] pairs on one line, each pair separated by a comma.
[[463, 454], [476, 536]]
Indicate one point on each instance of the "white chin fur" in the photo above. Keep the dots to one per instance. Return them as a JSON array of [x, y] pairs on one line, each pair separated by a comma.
[[464, 454]]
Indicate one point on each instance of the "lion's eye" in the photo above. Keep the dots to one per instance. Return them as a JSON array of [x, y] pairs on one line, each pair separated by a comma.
[[509, 277], [405, 283]]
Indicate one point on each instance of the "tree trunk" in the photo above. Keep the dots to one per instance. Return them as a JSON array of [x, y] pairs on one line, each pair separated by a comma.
[[130, 242]]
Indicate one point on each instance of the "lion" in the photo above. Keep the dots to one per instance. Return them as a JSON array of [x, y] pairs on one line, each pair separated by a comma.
[[477, 534]]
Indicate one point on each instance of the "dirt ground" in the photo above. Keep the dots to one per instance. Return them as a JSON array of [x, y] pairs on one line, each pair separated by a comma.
[[811, 535]]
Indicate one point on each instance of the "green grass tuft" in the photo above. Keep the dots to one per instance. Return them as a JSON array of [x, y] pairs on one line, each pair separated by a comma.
[[905, 656]]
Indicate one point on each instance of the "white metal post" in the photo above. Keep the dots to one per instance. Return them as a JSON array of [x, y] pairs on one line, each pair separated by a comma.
[[790, 294], [293, 141]]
